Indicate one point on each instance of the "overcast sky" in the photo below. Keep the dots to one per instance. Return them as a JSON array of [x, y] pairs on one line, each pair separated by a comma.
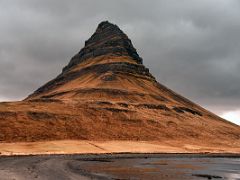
[[192, 46]]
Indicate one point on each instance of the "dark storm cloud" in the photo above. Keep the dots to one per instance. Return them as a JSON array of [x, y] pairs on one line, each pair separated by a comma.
[[192, 46]]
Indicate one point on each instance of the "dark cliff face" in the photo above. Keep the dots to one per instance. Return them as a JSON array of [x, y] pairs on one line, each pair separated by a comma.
[[108, 39]]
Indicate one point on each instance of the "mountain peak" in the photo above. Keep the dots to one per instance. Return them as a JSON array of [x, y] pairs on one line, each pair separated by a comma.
[[106, 24], [108, 39], [106, 93]]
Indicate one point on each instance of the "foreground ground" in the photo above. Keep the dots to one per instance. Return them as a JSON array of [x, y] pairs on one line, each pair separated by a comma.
[[120, 166], [100, 147]]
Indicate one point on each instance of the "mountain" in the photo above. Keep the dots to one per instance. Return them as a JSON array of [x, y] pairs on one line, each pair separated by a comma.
[[106, 93]]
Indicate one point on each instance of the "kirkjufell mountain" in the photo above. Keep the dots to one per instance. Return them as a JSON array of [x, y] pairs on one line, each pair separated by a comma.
[[106, 93]]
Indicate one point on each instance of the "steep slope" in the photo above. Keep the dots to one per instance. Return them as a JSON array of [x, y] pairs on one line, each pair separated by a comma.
[[106, 93]]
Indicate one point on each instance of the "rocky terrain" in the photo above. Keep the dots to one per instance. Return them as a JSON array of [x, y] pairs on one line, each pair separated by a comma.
[[106, 93]]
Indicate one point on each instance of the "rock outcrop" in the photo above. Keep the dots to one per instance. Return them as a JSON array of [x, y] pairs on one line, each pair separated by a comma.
[[108, 39]]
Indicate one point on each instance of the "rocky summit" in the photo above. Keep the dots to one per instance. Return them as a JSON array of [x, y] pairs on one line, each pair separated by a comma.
[[106, 93], [108, 39]]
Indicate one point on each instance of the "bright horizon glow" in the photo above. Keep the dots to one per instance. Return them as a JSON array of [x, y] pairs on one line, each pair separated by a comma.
[[233, 116], [2, 99]]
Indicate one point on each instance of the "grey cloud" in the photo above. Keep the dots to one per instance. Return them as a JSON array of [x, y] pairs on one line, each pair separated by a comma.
[[191, 46]]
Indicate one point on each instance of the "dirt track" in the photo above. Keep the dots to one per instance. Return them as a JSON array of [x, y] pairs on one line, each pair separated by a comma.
[[103, 147]]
